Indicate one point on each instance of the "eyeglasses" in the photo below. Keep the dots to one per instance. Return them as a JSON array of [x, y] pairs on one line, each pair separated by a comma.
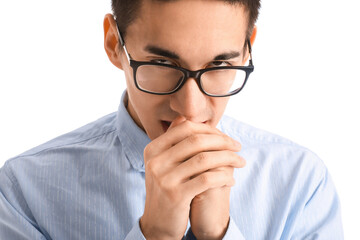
[[163, 79]]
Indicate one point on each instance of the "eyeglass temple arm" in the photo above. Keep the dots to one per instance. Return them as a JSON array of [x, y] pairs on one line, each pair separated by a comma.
[[250, 52], [122, 42]]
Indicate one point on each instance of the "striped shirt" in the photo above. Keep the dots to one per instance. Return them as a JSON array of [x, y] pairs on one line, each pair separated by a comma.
[[90, 184]]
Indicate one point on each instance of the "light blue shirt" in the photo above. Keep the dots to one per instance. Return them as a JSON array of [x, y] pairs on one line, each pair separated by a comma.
[[89, 184]]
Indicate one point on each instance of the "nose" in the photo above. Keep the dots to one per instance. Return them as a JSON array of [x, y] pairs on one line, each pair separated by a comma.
[[189, 101]]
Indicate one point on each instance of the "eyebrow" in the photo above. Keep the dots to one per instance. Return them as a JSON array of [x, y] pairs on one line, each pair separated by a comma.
[[169, 54], [161, 52], [227, 56]]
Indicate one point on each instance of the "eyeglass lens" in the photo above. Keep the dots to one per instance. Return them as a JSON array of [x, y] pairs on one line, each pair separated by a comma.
[[161, 79]]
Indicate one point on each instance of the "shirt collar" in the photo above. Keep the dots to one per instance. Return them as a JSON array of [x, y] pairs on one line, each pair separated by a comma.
[[132, 138]]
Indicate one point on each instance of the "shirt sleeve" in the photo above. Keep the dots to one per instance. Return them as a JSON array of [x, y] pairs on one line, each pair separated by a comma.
[[232, 232], [320, 217], [14, 221]]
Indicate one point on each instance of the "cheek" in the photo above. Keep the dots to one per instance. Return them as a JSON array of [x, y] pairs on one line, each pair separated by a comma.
[[218, 106], [139, 100], [149, 108], [144, 105]]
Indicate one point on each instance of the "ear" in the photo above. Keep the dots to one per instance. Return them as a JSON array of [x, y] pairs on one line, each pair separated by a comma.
[[252, 40], [111, 41], [253, 35]]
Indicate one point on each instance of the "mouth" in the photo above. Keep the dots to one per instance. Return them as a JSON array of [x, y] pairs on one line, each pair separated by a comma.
[[166, 124]]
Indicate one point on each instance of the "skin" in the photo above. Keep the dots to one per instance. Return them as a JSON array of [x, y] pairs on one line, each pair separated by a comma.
[[189, 165]]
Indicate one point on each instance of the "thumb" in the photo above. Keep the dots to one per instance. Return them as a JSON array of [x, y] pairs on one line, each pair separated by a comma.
[[177, 121]]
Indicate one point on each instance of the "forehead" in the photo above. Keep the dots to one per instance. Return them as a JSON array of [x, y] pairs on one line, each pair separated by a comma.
[[189, 27]]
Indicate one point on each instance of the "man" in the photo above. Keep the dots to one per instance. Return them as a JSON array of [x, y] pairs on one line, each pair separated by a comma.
[[168, 165]]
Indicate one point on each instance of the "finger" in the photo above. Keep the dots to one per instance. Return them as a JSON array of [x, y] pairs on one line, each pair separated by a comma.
[[206, 181], [176, 134], [176, 122], [207, 161], [198, 143]]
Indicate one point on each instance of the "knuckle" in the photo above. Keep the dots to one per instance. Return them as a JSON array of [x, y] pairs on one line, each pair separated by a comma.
[[205, 179], [163, 184], [201, 158], [151, 167], [195, 140], [147, 151]]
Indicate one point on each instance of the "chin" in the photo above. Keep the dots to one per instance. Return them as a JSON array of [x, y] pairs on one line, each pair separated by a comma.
[[155, 132]]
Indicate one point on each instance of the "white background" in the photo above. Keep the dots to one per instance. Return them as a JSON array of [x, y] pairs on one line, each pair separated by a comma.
[[55, 77]]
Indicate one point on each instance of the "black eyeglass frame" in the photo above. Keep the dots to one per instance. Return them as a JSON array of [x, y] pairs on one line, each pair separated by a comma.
[[187, 73]]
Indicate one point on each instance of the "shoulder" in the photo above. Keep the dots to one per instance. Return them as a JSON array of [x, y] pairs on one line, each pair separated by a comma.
[[53, 168], [266, 151], [66, 146], [88, 132], [249, 135], [282, 182]]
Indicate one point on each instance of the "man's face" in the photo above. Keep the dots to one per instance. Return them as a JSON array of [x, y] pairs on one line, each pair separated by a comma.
[[197, 32]]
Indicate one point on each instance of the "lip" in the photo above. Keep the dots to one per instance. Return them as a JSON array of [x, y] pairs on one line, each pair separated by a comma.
[[166, 124]]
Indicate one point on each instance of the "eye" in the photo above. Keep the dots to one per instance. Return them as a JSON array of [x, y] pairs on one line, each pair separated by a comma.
[[220, 64], [162, 61]]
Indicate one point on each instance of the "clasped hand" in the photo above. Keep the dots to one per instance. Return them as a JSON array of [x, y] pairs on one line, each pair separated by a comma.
[[188, 175]]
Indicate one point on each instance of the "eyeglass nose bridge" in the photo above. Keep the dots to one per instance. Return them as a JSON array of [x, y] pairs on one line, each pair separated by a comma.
[[191, 74]]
